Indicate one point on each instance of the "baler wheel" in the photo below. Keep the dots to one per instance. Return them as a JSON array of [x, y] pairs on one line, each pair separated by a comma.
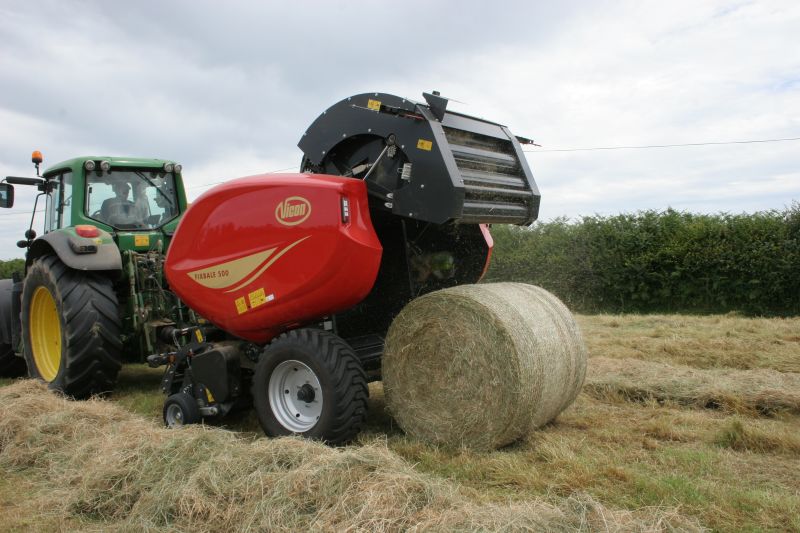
[[11, 366], [71, 328], [310, 382], [180, 409]]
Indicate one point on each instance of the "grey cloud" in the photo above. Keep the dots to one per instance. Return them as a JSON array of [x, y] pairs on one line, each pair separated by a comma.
[[228, 89]]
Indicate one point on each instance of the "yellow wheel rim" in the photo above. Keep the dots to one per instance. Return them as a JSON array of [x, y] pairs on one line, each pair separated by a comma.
[[45, 329]]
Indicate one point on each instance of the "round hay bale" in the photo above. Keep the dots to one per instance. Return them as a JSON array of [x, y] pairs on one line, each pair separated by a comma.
[[482, 365]]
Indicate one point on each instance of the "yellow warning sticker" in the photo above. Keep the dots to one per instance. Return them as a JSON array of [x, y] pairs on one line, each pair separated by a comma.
[[141, 240], [422, 144], [199, 335], [241, 305], [257, 297], [375, 105]]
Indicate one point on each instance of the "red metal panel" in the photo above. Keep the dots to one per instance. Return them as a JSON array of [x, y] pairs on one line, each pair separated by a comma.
[[259, 255], [487, 236]]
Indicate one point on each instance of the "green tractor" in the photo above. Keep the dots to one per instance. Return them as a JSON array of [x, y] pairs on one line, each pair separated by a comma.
[[91, 296]]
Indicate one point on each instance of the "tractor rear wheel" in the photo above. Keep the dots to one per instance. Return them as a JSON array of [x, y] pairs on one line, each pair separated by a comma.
[[11, 366], [71, 328], [309, 382]]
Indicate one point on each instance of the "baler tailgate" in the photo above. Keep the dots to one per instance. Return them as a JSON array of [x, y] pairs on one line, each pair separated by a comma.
[[424, 162]]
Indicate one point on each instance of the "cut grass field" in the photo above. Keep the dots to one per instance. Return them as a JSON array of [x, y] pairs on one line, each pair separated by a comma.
[[684, 422]]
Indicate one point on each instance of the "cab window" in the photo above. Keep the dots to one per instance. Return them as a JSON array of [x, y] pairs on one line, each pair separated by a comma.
[[131, 198], [58, 203], [65, 211]]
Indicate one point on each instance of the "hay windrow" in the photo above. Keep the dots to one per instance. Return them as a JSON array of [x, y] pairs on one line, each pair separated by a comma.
[[110, 470], [757, 391], [482, 365]]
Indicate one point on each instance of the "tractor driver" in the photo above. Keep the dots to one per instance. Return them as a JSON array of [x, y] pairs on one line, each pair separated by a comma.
[[118, 210]]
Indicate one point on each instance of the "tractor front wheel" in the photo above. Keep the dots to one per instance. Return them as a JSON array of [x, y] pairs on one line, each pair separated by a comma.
[[180, 410], [309, 382], [71, 328]]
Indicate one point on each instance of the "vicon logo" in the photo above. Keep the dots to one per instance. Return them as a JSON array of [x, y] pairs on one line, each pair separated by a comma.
[[293, 211]]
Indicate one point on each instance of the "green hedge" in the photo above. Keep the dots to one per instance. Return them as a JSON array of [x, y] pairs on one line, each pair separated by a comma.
[[7, 268], [652, 262], [660, 261]]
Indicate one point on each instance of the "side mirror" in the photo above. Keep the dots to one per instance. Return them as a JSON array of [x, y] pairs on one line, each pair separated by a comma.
[[6, 195]]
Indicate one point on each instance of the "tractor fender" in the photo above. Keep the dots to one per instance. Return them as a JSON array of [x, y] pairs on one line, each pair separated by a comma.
[[77, 252], [6, 313]]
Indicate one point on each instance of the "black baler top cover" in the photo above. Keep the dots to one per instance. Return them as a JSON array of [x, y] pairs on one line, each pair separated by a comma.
[[429, 164]]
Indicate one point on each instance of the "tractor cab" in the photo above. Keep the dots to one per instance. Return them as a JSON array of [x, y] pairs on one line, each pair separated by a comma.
[[115, 195]]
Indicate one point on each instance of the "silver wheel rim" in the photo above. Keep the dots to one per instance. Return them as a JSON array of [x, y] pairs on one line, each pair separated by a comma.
[[295, 396], [174, 416]]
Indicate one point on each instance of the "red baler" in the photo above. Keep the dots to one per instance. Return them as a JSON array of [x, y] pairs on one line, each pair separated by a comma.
[[300, 275]]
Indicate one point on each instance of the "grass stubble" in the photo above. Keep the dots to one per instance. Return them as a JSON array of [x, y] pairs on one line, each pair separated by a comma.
[[101, 467], [662, 456]]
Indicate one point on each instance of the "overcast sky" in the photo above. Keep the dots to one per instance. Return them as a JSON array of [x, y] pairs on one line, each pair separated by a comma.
[[228, 88]]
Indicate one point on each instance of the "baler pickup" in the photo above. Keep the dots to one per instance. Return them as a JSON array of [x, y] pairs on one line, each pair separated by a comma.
[[424, 162]]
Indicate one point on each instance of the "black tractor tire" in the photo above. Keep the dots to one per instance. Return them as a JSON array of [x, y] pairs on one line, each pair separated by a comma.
[[329, 373], [11, 366], [73, 342], [180, 409]]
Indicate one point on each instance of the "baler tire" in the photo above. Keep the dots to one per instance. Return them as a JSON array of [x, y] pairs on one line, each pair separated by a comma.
[[337, 371], [180, 410], [11, 366], [76, 336]]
